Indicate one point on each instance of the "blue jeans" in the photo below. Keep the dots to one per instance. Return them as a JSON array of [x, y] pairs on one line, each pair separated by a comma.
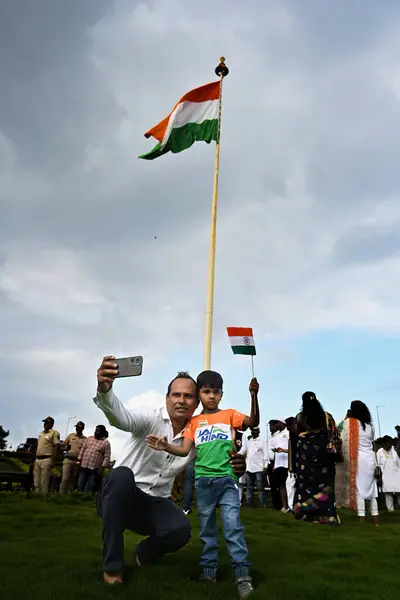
[[188, 489], [223, 492], [255, 480], [88, 480]]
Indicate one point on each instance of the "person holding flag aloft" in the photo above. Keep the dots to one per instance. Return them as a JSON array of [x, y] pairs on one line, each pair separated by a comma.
[[212, 433]]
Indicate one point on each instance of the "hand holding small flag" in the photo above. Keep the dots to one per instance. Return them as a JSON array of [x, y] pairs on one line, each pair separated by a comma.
[[254, 387]]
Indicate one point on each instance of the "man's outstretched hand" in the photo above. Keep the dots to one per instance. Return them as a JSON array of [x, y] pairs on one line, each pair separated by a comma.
[[157, 443], [238, 463], [106, 374]]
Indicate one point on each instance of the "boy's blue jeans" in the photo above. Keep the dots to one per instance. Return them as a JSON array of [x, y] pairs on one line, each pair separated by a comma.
[[223, 492]]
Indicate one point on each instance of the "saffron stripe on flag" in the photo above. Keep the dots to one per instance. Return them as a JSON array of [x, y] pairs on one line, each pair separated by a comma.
[[240, 332]]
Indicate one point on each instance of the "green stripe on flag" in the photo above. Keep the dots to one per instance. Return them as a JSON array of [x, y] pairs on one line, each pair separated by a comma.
[[248, 350], [181, 138]]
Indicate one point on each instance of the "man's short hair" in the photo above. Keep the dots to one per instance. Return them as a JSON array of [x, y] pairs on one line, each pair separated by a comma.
[[386, 438], [180, 375], [210, 379]]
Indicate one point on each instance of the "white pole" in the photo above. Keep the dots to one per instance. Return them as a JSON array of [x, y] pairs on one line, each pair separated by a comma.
[[379, 421]]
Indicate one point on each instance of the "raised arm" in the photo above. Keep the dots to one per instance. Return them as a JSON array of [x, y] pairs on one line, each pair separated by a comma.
[[254, 419], [158, 443], [134, 421]]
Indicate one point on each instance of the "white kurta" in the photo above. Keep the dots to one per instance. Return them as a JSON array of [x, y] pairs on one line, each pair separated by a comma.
[[280, 439], [389, 463], [365, 481], [256, 453]]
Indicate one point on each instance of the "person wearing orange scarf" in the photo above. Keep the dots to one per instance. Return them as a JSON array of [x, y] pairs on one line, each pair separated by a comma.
[[356, 476]]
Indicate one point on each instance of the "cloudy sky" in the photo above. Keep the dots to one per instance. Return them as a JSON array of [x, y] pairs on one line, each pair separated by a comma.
[[103, 253]]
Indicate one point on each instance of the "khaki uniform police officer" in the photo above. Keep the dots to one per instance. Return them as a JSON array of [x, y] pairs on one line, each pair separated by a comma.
[[73, 444], [46, 453]]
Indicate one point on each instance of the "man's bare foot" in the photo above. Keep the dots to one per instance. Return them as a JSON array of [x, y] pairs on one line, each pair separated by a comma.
[[112, 578]]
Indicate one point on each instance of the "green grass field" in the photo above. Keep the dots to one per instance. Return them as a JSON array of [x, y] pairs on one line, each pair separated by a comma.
[[50, 549]]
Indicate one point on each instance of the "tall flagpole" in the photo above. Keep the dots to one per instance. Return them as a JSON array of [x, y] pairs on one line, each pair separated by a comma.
[[222, 71]]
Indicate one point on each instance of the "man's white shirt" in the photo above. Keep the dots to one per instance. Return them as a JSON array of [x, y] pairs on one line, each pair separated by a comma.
[[256, 454], [154, 470], [280, 439]]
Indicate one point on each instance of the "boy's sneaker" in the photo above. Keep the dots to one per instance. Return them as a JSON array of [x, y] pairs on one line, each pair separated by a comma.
[[244, 586]]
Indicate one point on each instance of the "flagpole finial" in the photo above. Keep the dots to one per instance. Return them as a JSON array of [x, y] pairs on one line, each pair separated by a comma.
[[222, 70]]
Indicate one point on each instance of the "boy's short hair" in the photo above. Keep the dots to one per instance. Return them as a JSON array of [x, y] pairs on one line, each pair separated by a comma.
[[210, 379]]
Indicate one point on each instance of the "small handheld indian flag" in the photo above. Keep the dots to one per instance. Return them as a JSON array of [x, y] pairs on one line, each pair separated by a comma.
[[242, 340], [193, 119]]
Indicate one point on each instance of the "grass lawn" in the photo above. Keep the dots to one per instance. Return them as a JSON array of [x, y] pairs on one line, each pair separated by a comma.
[[50, 549]]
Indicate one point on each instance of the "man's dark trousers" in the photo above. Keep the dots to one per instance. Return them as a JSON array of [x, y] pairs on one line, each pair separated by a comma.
[[122, 505], [275, 492]]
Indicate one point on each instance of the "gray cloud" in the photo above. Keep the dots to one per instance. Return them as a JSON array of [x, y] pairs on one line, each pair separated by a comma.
[[368, 243], [52, 99]]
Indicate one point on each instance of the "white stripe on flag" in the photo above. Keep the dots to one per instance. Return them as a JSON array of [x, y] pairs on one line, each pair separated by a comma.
[[242, 341], [190, 112]]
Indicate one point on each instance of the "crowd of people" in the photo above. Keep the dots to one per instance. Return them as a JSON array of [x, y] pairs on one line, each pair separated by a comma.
[[311, 466], [84, 458]]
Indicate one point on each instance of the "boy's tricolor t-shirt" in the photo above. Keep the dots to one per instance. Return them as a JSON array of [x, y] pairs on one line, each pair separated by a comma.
[[214, 436]]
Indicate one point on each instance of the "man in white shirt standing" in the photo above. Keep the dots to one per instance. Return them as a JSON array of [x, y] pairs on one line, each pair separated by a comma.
[[279, 453], [137, 493], [256, 453]]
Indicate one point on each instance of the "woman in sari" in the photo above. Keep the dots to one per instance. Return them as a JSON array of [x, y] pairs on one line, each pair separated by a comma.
[[356, 477], [314, 464]]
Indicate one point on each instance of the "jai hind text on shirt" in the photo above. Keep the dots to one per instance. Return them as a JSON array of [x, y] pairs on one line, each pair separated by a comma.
[[214, 436]]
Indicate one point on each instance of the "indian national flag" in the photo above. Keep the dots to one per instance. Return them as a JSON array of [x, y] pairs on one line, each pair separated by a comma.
[[193, 119], [242, 340]]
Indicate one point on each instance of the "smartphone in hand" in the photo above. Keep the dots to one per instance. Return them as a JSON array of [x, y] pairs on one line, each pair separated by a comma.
[[131, 366]]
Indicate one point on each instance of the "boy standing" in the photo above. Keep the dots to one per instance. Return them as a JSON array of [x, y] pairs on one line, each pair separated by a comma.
[[213, 434]]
